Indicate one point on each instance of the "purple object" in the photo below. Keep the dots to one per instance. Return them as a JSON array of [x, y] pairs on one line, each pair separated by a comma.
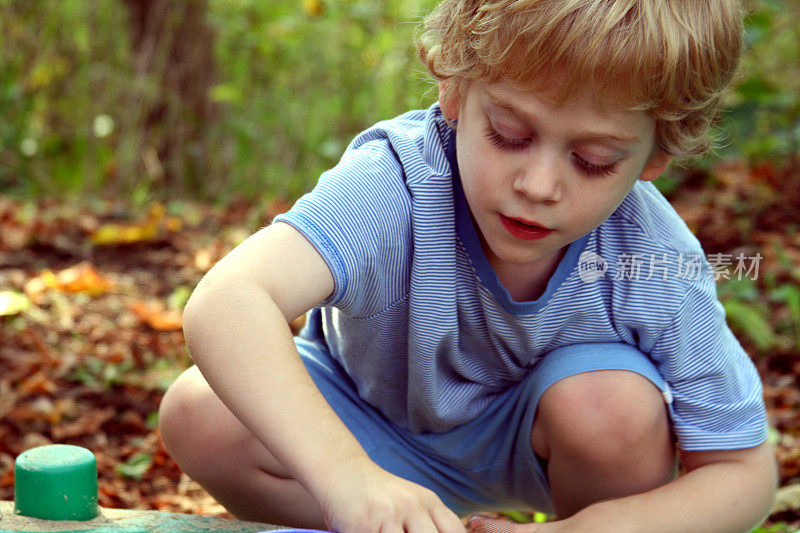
[[297, 531]]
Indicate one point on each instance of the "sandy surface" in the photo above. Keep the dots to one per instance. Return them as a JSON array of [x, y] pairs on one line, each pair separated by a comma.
[[132, 521]]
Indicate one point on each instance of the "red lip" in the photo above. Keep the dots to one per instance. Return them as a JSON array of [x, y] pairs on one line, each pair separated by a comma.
[[524, 229]]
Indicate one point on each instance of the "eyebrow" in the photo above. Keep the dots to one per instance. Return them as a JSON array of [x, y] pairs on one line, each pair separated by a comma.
[[582, 136]]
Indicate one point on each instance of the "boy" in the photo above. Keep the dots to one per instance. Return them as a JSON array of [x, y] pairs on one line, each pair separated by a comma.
[[462, 353]]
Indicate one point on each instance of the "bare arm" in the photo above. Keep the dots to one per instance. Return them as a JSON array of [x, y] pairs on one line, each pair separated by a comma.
[[237, 332], [722, 492]]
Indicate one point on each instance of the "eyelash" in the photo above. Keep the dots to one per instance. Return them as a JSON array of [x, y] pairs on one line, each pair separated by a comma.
[[590, 169], [513, 145], [504, 143]]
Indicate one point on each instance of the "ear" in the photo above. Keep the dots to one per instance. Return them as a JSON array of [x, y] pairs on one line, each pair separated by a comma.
[[655, 167], [449, 99]]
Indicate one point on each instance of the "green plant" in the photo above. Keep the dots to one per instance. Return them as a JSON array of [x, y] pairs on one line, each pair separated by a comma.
[[763, 116], [136, 466], [293, 84]]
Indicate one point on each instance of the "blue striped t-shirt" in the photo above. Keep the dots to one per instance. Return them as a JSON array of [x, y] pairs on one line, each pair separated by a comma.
[[422, 325]]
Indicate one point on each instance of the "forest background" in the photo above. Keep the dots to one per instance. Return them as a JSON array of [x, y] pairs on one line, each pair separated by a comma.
[[140, 140]]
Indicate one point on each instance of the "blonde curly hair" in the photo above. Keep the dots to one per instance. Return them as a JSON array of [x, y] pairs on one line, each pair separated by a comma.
[[671, 58]]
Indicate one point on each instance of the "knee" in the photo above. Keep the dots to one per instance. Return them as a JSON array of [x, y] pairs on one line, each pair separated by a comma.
[[188, 423], [602, 417]]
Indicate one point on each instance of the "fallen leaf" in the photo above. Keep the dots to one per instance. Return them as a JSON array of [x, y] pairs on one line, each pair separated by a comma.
[[786, 499], [88, 423], [15, 237], [148, 230], [315, 8], [38, 383], [202, 260], [34, 288], [13, 303], [157, 316], [119, 234], [78, 278], [8, 398], [6, 470]]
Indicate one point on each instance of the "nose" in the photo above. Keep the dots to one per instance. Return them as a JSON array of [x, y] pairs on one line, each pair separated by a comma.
[[539, 180]]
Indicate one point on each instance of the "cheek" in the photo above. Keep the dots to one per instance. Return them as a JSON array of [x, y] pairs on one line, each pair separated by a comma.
[[476, 180], [598, 203]]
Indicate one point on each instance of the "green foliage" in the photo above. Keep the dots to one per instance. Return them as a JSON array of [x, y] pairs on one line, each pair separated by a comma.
[[295, 80], [762, 120], [750, 321], [298, 86], [95, 372], [57, 74], [178, 297], [135, 467], [790, 296], [746, 312]]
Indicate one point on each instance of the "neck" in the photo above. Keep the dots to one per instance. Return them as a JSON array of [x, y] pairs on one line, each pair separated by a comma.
[[527, 282]]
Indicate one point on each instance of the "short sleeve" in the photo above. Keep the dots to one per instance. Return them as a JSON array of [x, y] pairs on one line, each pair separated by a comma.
[[717, 394], [358, 218]]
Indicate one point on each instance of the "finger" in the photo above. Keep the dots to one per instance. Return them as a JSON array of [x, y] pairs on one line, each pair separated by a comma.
[[392, 527], [446, 521], [423, 521], [420, 523]]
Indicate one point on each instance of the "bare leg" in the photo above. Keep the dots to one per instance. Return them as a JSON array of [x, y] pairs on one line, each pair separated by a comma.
[[604, 434], [210, 445]]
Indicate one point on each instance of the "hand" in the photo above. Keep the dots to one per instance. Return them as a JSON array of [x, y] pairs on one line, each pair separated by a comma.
[[364, 498]]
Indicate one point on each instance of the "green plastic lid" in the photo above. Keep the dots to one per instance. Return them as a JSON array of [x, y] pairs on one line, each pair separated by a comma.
[[56, 482]]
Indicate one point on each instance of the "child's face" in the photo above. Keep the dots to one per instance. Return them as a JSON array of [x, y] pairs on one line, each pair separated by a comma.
[[536, 176]]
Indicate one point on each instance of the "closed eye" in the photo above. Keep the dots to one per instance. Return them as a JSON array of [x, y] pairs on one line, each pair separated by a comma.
[[592, 169], [504, 143], [514, 145]]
